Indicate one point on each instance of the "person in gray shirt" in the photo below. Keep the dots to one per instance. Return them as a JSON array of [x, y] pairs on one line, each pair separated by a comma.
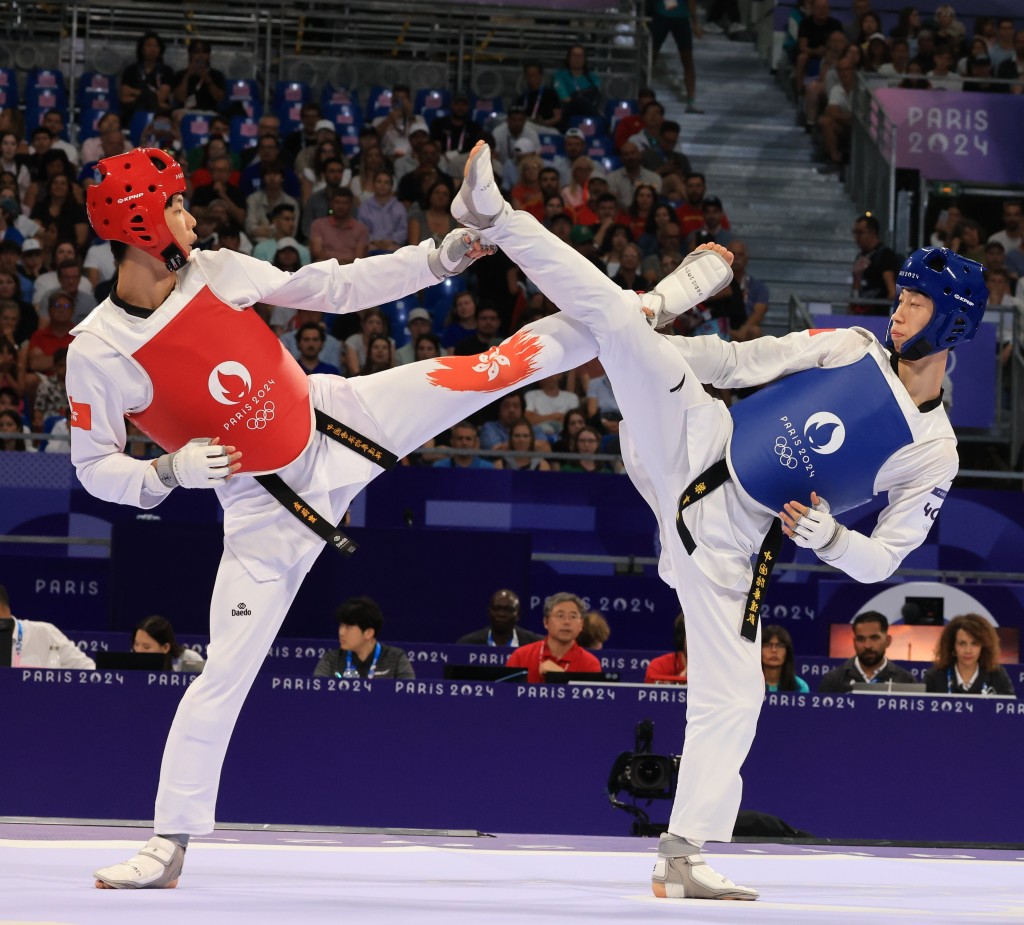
[[362, 654]]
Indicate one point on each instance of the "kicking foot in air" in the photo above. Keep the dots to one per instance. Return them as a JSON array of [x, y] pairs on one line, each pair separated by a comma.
[[682, 873], [479, 203], [156, 867], [702, 274]]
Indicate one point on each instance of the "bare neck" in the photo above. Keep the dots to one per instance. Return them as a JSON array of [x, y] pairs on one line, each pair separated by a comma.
[[144, 281], [558, 649], [772, 675], [923, 378]]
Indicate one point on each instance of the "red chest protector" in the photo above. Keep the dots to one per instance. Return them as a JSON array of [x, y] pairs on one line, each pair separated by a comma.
[[220, 372]]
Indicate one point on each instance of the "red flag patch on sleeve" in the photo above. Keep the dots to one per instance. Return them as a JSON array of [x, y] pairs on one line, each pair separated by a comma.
[[814, 331], [81, 414]]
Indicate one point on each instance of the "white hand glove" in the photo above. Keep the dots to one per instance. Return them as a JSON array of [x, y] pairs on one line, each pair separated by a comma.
[[453, 256], [198, 464], [820, 531]]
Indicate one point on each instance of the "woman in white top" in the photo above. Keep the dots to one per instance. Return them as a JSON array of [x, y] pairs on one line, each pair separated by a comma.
[[371, 162]]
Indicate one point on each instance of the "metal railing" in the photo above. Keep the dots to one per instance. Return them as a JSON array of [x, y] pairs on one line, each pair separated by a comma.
[[477, 45], [871, 180]]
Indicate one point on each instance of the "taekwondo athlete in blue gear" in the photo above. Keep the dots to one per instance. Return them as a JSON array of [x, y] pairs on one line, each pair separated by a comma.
[[751, 477]]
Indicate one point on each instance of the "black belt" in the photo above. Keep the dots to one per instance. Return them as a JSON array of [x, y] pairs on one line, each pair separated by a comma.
[[711, 478], [316, 522]]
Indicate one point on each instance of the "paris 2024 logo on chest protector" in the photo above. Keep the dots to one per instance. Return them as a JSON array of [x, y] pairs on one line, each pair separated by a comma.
[[229, 382], [824, 432]]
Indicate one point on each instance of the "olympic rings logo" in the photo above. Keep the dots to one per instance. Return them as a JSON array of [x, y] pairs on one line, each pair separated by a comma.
[[262, 417], [785, 453]]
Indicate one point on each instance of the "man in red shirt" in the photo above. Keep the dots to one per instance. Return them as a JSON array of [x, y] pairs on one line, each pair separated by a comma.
[[45, 342], [558, 651], [691, 212], [670, 668]]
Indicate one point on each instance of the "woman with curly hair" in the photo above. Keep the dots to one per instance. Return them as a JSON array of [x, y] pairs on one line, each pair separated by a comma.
[[967, 660], [778, 663]]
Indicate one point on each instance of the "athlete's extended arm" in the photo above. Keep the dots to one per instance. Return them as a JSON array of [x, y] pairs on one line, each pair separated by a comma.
[[331, 287], [735, 364]]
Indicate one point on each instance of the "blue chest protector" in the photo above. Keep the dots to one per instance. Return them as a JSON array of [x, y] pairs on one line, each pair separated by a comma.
[[823, 430]]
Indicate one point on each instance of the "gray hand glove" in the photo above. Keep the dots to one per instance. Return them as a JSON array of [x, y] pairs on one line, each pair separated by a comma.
[[198, 464], [820, 531], [453, 257]]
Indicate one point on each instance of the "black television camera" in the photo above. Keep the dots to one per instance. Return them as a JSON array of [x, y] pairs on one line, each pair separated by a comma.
[[642, 776]]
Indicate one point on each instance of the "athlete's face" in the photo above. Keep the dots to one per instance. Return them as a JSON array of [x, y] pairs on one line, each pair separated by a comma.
[[181, 222], [913, 312]]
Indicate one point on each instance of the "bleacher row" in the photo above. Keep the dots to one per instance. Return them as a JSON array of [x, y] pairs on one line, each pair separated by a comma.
[[96, 94]]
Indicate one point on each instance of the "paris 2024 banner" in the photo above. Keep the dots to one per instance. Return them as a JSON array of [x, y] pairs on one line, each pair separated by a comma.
[[948, 135]]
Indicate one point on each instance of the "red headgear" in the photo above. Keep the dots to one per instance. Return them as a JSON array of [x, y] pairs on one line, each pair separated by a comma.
[[128, 203]]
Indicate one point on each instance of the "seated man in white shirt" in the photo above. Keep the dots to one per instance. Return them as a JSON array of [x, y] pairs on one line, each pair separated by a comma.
[[31, 644]]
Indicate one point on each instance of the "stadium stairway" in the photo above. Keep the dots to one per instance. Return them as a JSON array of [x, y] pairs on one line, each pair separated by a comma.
[[796, 222]]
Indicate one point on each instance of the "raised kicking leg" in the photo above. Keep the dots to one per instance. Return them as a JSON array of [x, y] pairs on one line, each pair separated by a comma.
[[653, 384], [658, 395], [417, 401]]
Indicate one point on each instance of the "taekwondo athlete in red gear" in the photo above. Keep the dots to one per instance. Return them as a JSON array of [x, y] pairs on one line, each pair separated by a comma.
[[178, 350], [845, 418]]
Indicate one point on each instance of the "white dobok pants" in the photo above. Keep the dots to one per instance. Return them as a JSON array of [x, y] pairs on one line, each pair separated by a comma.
[[671, 434], [268, 551]]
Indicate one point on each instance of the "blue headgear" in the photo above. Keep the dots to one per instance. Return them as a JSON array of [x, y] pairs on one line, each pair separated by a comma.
[[956, 286]]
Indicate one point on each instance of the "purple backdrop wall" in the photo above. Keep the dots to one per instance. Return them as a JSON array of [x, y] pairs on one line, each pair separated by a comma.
[[434, 579], [506, 758]]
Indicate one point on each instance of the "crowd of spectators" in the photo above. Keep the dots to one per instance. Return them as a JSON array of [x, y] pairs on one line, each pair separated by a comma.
[[936, 53], [609, 177]]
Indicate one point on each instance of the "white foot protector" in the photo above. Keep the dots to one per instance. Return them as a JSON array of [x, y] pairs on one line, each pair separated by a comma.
[[682, 873], [156, 867], [693, 878], [701, 275], [478, 203]]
